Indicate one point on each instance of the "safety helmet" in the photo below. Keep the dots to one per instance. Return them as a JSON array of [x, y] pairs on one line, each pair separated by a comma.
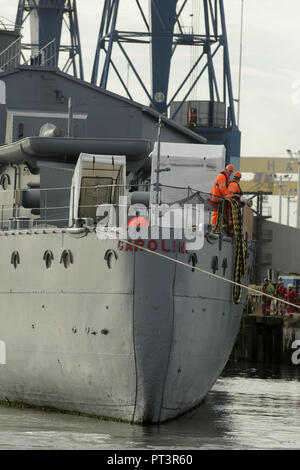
[[290, 286], [230, 168], [237, 174]]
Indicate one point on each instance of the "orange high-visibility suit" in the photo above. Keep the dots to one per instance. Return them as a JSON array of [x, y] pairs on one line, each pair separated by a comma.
[[218, 192], [234, 190], [235, 193]]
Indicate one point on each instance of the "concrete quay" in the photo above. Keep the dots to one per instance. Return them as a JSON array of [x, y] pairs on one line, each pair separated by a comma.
[[268, 339]]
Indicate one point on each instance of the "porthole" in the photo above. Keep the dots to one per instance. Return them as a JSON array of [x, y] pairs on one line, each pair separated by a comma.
[[66, 258], [214, 264], [110, 258], [224, 265], [48, 258], [5, 181], [193, 260], [15, 259]]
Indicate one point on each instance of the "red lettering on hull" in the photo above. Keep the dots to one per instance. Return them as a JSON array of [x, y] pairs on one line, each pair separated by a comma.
[[153, 245], [138, 243], [167, 250]]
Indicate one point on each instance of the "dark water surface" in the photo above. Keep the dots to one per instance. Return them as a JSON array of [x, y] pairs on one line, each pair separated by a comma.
[[248, 408]]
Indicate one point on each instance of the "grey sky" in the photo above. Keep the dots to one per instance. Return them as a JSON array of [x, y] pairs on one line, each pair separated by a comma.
[[270, 99]]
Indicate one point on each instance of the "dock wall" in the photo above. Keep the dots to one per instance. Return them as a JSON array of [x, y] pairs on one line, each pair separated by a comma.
[[267, 339]]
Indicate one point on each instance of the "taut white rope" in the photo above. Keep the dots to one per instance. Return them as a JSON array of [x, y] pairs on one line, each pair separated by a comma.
[[210, 274]]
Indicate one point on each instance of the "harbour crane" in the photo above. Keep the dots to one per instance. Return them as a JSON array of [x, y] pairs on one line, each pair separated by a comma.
[[46, 21], [202, 100], [163, 30]]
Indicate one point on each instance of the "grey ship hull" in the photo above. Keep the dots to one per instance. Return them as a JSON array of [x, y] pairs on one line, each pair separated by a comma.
[[143, 341]]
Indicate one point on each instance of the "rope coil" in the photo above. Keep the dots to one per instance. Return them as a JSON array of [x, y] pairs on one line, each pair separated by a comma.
[[231, 213], [240, 249]]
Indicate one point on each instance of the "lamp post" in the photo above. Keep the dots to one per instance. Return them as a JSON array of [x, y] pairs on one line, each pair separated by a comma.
[[238, 99], [289, 197], [288, 208], [240, 63], [280, 198], [283, 181], [296, 157]]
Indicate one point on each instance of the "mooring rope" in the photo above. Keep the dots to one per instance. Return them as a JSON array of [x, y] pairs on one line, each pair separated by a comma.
[[240, 249], [196, 268]]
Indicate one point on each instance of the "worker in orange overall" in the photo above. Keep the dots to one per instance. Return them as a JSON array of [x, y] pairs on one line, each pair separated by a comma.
[[281, 293], [219, 192], [291, 297], [234, 192], [234, 189]]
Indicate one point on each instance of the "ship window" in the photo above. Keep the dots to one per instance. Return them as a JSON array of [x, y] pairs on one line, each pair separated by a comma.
[[94, 191]]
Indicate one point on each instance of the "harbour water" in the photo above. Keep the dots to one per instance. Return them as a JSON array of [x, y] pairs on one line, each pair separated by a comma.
[[249, 407]]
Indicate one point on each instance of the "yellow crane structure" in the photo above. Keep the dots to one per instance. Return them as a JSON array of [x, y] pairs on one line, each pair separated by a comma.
[[264, 169]]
